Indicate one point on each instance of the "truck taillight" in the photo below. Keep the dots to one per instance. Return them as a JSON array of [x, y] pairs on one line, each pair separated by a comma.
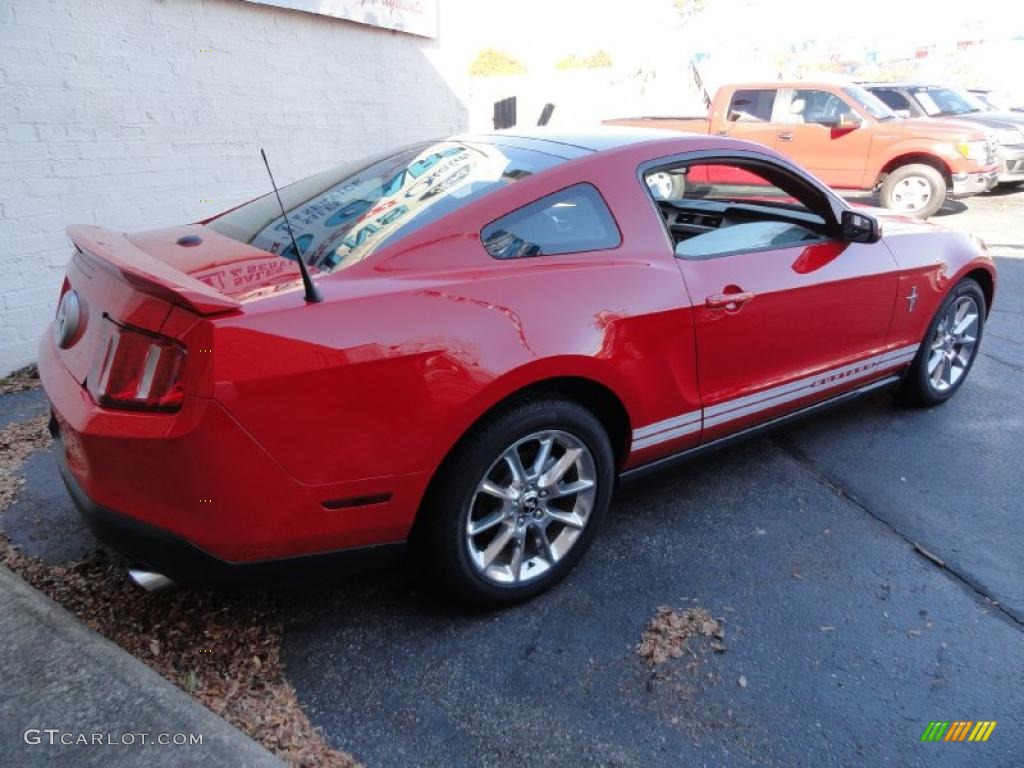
[[139, 370]]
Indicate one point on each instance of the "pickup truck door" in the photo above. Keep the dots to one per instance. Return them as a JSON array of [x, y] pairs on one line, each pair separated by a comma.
[[749, 116], [807, 133], [783, 317]]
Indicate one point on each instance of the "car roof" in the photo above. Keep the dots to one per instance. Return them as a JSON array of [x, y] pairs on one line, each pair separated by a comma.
[[570, 144]]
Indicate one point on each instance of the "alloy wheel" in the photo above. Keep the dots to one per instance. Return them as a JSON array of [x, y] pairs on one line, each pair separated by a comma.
[[530, 507], [953, 344]]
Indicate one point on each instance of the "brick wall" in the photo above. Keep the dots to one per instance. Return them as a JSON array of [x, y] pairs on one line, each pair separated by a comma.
[[135, 114]]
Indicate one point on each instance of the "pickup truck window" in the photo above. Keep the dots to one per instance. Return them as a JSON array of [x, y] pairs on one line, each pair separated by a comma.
[[893, 99], [752, 106], [808, 106], [869, 103], [714, 209], [943, 102]]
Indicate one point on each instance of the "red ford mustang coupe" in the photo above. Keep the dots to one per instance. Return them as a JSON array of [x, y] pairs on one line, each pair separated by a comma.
[[508, 323]]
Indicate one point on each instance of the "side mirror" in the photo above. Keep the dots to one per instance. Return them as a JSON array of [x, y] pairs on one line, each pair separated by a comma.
[[848, 122], [860, 228]]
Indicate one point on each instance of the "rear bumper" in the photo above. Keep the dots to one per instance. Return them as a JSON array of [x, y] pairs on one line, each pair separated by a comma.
[[967, 184], [195, 486], [185, 563], [1011, 163]]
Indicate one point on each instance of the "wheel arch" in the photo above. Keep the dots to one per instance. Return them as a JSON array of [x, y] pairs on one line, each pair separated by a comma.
[[916, 158], [597, 396], [984, 278]]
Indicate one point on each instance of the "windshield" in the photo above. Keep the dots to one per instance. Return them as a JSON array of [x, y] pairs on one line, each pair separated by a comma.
[[341, 216], [869, 103], [940, 102]]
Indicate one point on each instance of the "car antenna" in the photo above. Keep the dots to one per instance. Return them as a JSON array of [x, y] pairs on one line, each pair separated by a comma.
[[312, 294]]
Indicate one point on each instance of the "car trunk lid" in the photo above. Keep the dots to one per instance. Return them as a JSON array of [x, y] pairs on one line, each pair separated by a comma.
[[138, 279]]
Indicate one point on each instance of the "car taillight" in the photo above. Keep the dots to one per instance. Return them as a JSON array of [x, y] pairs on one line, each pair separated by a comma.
[[135, 369]]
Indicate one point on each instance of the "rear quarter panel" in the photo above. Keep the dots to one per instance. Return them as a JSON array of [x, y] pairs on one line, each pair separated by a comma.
[[411, 348]]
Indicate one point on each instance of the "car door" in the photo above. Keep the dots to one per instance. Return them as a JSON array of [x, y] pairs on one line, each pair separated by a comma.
[[809, 133], [785, 313]]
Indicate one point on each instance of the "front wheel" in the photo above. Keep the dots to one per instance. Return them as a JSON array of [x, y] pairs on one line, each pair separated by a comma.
[[949, 347], [519, 502], [916, 189]]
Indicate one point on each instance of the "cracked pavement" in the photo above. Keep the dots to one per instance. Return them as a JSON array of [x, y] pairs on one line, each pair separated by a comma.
[[866, 565]]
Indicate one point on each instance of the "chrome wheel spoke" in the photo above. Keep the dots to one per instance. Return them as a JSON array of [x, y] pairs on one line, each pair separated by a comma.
[[560, 491], [542, 456], [493, 489], [562, 466], [515, 567], [515, 465], [544, 546], [476, 527], [570, 519], [497, 545]]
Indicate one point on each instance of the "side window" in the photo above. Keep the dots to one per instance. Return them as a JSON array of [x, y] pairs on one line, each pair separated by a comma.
[[751, 106], [820, 107], [719, 208], [893, 99], [568, 221]]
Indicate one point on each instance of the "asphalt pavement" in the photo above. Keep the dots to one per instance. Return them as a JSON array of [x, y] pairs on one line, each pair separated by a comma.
[[866, 566]]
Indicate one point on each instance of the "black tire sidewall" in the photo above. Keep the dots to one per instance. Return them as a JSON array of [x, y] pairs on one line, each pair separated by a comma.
[[918, 386], [449, 502], [935, 180]]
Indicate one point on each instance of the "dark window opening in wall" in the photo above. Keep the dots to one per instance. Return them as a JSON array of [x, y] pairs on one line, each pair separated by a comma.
[[545, 114], [505, 113]]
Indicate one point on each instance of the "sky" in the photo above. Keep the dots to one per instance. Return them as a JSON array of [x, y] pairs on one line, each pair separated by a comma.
[[537, 31]]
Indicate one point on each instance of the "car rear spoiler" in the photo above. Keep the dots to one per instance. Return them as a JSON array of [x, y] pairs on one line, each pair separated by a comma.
[[115, 253]]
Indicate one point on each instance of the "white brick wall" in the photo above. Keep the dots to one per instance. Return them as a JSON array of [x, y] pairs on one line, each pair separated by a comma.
[[112, 113]]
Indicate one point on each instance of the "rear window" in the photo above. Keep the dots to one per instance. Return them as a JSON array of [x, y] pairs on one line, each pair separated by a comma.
[[568, 221], [341, 216], [752, 106]]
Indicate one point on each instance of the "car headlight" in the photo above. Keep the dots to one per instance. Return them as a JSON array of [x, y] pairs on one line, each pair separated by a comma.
[[1010, 136], [973, 150]]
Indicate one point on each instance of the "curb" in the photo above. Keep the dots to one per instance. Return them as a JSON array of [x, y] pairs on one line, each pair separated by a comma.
[[59, 674]]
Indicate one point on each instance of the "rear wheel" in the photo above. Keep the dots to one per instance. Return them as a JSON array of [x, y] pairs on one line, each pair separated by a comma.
[[949, 347], [916, 189], [519, 502]]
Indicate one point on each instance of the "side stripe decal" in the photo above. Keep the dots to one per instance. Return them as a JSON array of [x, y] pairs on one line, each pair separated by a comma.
[[740, 407]]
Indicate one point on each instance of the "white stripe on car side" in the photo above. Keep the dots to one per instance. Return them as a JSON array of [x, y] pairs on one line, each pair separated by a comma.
[[740, 407]]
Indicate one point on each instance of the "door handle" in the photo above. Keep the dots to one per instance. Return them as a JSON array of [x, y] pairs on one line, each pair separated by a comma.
[[785, 135], [728, 300]]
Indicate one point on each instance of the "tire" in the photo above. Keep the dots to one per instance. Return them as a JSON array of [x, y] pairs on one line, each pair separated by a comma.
[[920, 386], [459, 561], [916, 189], [667, 186]]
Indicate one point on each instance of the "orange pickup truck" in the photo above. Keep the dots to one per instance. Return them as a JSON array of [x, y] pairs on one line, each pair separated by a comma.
[[851, 140]]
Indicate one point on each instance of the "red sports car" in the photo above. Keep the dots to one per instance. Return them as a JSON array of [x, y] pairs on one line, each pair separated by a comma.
[[509, 323]]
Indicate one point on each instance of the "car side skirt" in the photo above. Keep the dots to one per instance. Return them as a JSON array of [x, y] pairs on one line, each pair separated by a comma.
[[758, 429]]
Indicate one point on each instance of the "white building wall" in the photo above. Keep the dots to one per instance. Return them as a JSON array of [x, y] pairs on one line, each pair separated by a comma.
[[136, 114]]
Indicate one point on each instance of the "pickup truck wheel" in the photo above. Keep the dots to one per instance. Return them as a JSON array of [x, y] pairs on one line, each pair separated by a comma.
[[667, 186], [518, 503], [916, 189], [949, 348]]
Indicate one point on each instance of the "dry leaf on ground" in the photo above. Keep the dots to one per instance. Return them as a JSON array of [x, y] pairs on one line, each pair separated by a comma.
[[667, 634]]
